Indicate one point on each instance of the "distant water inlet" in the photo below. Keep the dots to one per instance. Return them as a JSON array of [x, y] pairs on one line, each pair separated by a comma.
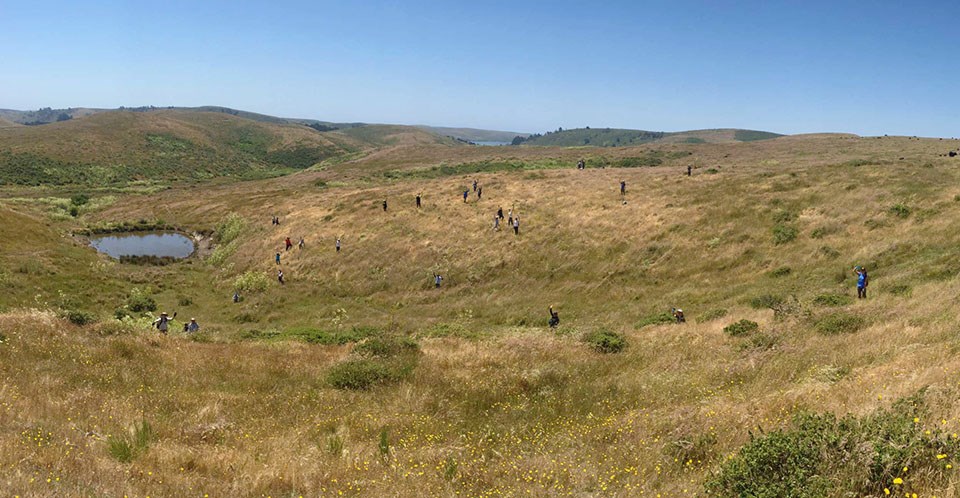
[[159, 245]]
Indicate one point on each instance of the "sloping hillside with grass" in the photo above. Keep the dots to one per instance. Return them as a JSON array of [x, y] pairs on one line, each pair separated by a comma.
[[613, 137], [359, 376]]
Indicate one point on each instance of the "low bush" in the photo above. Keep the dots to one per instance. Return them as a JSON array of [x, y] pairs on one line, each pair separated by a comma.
[[125, 447], [899, 210], [358, 374], [387, 347], [783, 271], [139, 301], [741, 328], [80, 318], [820, 455], [839, 323], [605, 341], [783, 233], [251, 281], [832, 300]]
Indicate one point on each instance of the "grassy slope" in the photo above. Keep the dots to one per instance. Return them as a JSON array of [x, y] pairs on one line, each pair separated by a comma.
[[504, 402]]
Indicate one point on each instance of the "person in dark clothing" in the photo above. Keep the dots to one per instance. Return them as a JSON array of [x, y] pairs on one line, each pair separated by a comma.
[[554, 318], [689, 170], [338, 244], [678, 314], [437, 279], [474, 185], [500, 212], [623, 188], [466, 192], [236, 296], [280, 277], [384, 204], [288, 244], [479, 192], [277, 258], [418, 201]]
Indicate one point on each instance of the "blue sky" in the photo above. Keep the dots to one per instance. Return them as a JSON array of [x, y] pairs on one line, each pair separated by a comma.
[[789, 67]]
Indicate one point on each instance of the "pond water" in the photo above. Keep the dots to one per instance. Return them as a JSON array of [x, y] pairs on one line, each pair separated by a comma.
[[166, 244]]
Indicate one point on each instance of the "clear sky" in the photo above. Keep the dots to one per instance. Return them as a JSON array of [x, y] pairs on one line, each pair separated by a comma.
[[785, 66]]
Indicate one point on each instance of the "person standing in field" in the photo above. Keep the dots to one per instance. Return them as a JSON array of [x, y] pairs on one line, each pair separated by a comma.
[[496, 223], [500, 212], [689, 170], [193, 326], [862, 281], [554, 318], [466, 192], [338, 245], [280, 277], [162, 323], [516, 225], [479, 192], [623, 188], [384, 205], [474, 185], [300, 244], [287, 243], [277, 258], [418, 200], [510, 217], [437, 279]]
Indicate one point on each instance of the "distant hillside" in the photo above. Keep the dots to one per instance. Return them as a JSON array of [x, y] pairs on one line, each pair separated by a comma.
[[615, 137], [122, 146], [473, 134]]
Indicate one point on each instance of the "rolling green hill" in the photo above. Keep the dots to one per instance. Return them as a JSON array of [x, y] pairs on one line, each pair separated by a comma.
[[614, 137], [174, 145], [474, 134]]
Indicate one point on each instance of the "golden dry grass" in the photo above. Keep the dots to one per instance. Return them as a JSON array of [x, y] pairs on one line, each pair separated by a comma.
[[500, 404]]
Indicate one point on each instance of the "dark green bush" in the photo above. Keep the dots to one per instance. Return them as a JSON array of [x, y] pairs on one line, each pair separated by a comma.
[[900, 210], [832, 300], [386, 347], [783, 233], [783, 271], [839, 323], [358, 374], [605, 341], [80, 318], [742, 328], [820, 455], [138, 302], [79, 199]]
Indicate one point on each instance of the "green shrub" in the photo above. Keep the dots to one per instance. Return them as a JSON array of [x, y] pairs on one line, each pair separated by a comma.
[[229, 228], [741, 328], [828, 252], [712, 315], [358, 374], [655, 319], [766, 301], [386, 347], [139, 302], [832, 300], [80, 318], [820, 455], [821, 232], [839, 323], [783, 271], [783, 233], [605, 341], [317, 336], [899, 210], [712, 171], [125, 447], [79, 199], [251, 281]]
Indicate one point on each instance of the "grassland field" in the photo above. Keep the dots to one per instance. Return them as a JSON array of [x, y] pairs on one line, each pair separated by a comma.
[[359, 378]]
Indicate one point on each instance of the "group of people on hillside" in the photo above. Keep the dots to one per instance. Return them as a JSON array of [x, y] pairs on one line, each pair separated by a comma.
[[162, 323]]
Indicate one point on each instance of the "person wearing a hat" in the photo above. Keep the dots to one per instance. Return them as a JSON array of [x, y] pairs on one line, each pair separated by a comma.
[[193, 326], [162, 323]]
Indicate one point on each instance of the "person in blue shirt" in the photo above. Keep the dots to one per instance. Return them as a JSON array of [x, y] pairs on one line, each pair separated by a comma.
[[466, 192], [862, 281]]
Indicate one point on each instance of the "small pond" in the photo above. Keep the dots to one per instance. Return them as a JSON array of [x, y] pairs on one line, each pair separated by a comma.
[[163, 245]]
